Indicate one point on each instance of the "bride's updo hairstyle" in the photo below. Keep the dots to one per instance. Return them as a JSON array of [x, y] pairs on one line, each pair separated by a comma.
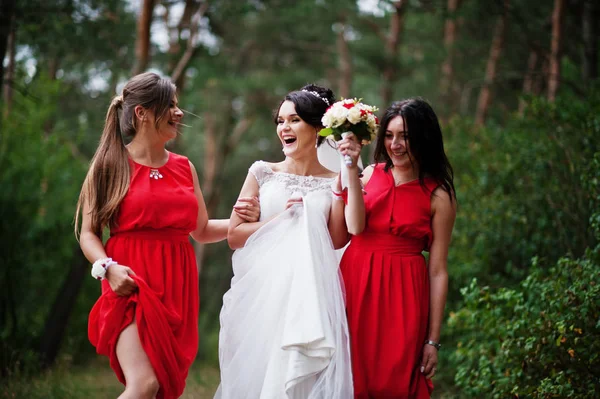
[[311, 102]]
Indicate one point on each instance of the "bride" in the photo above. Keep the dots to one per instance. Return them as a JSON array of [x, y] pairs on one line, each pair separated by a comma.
[[283, 323]]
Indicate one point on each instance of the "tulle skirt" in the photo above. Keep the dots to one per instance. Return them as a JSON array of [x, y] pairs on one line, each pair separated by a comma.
[[284, 332]]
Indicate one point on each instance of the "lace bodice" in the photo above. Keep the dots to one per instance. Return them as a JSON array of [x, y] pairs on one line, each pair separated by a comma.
[[275, 188]]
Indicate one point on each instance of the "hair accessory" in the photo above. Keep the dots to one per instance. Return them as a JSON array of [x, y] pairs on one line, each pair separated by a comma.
[[117, 101], [314, 93]]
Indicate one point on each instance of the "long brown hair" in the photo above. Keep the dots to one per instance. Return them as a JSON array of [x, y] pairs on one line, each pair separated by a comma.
[[107, 180]]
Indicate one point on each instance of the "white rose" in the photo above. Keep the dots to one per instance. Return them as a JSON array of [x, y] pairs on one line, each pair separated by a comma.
[[338, 115], [354, 115], [371, 121], [327, 120]]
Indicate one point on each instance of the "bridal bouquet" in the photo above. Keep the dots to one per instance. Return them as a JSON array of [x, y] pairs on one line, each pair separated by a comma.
[[350, 115]]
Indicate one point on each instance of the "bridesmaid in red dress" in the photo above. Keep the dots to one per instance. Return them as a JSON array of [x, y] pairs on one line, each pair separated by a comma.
[[146, 320], [395, 298]]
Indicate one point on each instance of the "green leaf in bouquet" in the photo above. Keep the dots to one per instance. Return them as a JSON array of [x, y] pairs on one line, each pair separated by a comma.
[[326, 132]]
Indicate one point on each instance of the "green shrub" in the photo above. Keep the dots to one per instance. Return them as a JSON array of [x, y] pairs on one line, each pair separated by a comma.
[[541, 339], [519, 190]]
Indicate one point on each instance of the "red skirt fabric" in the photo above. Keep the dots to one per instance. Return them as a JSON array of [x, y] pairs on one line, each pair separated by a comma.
[[165, 306], [387, 288]]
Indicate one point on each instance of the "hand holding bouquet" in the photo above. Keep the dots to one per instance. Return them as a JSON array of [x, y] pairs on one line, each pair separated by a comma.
[[350, 115]]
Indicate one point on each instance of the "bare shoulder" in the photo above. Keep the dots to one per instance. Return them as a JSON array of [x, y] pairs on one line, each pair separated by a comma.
[[193, 170], [443, 201], [366, 174]]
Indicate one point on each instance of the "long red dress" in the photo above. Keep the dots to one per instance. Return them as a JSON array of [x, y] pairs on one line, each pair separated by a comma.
[[154, 222], [387, 290]]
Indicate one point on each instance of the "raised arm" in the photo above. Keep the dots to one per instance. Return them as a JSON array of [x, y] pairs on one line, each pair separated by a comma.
[[354, 210], [207, 230]]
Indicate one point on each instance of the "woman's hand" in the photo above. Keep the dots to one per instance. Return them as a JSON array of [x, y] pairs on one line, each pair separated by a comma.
[[119, 279], [350, 146], [429, 360], [248, 208], [293, 201]]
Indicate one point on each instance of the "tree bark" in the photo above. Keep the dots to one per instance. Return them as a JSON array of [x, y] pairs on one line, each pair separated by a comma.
[[590, 40], [528, 79], [391, 51], [64, 302], [142, 42], [191, 21], [485, 94], [10, 70], [555, 49], [345, 65], [449, 40], [216, 152], [7, 13]]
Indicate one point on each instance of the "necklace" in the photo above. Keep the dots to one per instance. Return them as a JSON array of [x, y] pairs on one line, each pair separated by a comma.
[[155, 174]]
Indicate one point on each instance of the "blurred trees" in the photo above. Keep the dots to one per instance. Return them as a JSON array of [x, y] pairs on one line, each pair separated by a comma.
[[479, 63]]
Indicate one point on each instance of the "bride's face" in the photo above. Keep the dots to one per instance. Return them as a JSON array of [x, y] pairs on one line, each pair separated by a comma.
[[297, 136]]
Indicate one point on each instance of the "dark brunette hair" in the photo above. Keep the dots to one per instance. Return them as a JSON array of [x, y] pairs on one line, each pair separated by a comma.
[[310, 102], [426, 143]]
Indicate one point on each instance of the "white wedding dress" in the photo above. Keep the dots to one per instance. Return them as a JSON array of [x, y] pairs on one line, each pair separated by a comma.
[[284, 333]]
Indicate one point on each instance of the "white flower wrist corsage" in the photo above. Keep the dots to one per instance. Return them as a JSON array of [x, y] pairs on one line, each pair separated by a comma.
[[100, 266]]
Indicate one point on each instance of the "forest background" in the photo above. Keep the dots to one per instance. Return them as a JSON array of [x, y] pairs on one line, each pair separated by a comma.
[[515, 83]]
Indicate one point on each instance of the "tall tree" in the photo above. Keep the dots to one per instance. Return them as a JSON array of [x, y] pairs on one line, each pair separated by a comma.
[[191, 46], [485, 95], [10, 70], [142, 43], [590, 40], [528, 80], [450, 33], [344, 62], [558, 15], [391, 45], [7, 11]]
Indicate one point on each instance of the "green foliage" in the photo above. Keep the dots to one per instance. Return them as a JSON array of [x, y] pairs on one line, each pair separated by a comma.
[[540, 339], [40, 183], [519, 189]]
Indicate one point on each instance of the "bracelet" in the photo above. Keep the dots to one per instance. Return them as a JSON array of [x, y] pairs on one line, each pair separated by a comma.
[[337, 196], [436, 345], [100, 266]]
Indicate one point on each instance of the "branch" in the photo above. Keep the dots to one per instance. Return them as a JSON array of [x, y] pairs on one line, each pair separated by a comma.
[[191, 44]]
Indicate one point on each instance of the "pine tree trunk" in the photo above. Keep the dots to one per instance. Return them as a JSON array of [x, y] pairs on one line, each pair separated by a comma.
[[345, 65], [391, 52], [450, 31], [590, 40], [485, 95], [9, 77], [62, 307], [528, 79], [7, 13], [555, 49], [142, 42]]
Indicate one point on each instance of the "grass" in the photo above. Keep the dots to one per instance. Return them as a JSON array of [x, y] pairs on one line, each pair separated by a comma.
[[96, 380]]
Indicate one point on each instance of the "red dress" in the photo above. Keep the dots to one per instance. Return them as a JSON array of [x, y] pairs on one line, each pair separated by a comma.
[[154, 222], [387, 290]]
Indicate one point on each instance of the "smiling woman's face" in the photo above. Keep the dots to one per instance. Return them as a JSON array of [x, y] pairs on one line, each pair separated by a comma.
[[297, 136]]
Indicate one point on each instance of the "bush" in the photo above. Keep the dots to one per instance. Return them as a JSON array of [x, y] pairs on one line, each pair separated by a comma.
[[519, 190], [540, 340]]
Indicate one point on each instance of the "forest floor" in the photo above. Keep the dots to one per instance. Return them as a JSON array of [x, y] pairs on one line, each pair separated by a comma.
[[97, 381]]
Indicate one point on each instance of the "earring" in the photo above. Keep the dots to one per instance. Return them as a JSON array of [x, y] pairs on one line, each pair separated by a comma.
[[317, 142]]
